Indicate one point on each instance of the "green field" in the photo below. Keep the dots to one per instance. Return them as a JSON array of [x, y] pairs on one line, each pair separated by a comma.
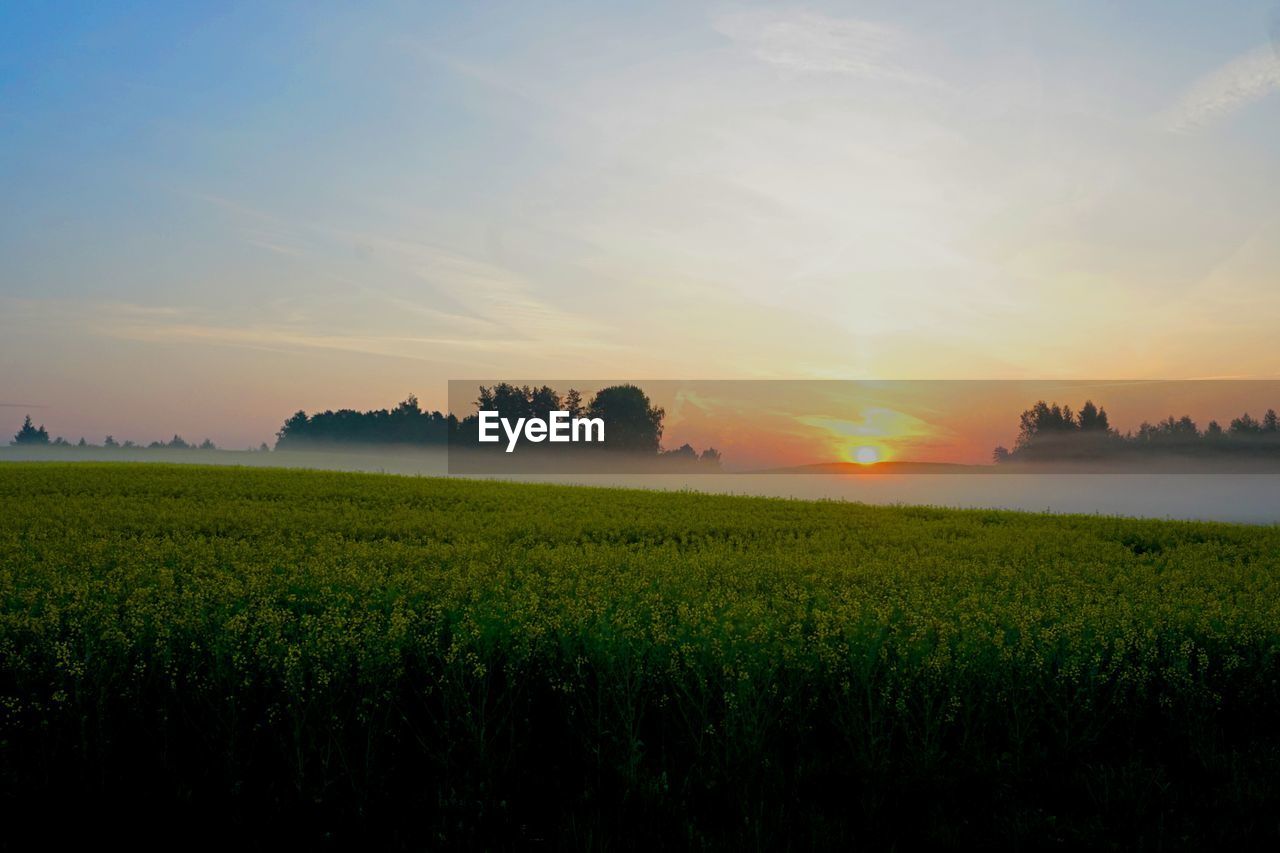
[[462, 663]]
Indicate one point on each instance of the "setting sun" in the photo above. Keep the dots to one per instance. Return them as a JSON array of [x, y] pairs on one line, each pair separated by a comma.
[[866, 455]]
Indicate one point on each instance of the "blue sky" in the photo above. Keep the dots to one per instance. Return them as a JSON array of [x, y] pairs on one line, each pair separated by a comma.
[[216, 214]]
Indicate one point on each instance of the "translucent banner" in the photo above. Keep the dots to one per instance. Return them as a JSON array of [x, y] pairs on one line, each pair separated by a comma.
[[862, 427]]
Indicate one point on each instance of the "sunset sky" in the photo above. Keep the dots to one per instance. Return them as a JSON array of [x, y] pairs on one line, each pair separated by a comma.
[[758, 424], [215, 215]]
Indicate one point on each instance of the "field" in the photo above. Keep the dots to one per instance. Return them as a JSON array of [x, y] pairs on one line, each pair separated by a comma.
[[440, 662]]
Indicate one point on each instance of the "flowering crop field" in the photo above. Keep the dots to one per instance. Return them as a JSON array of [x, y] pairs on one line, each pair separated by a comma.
[[445, 662]]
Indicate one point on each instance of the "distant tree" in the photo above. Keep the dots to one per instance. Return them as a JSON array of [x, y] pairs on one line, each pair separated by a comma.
[[31, 434], [684, 452], [633, 423], [1245, 425], [710, 456], [264, 448], [1045, 433], [1092, 419], [177, 443], [543, 401], [293, 429], [1171, 435], [573, 403], [61, 442], [1000, 455], [208, 445], [1170, 429], [1044, 430], [82, 442], [1044, 421], [407, 423], [110, 441], [507, 400], [128, 444]]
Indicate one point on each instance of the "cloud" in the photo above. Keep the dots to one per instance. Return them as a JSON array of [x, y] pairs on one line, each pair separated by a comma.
[[468, 301], [378, 334], [809, 42], [877, 422], [1242, 81]]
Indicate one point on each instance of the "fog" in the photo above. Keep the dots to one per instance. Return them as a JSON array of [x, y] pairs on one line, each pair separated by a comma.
[[1237, 497]]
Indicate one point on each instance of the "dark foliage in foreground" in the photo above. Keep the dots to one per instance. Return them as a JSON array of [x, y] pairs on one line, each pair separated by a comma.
[[377, 661]]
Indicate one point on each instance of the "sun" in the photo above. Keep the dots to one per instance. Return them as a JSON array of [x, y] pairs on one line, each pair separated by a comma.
[[866, 455]]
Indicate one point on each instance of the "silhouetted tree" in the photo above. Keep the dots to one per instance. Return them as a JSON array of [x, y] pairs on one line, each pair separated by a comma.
[[1044, 421], [1245, 425], [1092, 419], [110, 441], [407, 423], [1043, 430], [573, 403], [30, 434], [507, 400], [1171, 434], [293, 428], [632, 423], [543, 401], [1046, 432]]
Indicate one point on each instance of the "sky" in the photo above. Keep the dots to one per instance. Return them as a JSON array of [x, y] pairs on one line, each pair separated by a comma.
[[214, 215]]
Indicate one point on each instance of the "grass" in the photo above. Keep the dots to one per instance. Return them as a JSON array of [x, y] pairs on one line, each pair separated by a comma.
[[436, 662]]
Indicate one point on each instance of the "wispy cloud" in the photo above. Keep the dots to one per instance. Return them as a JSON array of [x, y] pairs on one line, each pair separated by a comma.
[[876, 422], [1242, 81], [389, 339], [809, 42], [469, 301]]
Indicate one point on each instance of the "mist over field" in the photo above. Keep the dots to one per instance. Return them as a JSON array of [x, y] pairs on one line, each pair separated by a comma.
[[1235, 497]]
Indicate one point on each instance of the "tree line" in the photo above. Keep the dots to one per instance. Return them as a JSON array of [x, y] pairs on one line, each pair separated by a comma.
[[634, 424], [1053, 432], [30, 435], [407, 423]]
